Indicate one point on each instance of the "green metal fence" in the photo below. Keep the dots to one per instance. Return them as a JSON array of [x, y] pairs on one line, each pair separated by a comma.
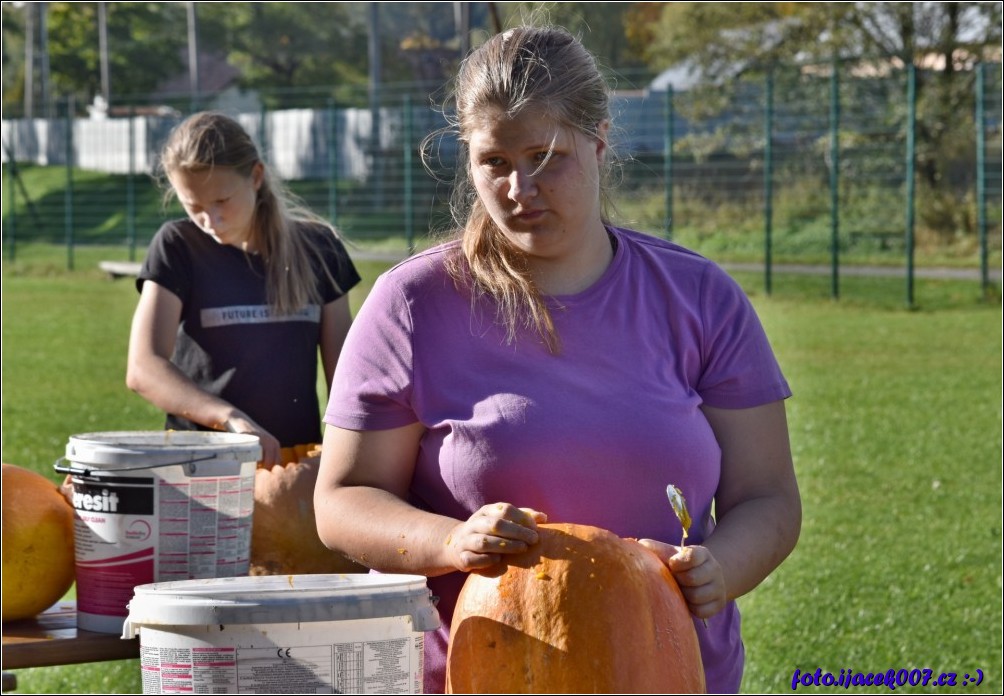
[[828, 165]]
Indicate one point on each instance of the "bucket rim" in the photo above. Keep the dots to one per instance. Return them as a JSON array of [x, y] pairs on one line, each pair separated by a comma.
[[146, 448], [282, 599], [249, 587]]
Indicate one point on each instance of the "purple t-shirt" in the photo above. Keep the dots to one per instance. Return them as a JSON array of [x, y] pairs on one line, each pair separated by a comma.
[[591, 435]]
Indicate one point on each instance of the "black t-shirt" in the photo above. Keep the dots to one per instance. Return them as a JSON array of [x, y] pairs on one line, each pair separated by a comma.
[[229, 340]]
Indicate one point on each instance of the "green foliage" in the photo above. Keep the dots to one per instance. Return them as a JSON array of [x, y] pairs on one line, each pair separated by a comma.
[[279, 45], [146, 45], [730, 45], [725, 40], [13, 53], [601, 27]]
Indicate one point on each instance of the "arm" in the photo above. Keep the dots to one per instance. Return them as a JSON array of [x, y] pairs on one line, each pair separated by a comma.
[[757, 506], [336, 318], [361, 509], [152, 375]]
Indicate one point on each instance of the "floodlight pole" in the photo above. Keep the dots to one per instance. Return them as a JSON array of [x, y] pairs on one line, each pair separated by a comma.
[[29, 60], [45, 72], [103, 52], [462, 23], [193, 54], [376, 160]]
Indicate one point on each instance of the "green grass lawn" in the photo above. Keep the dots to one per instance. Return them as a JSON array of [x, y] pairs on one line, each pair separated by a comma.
[[895, 427], [896, 431]]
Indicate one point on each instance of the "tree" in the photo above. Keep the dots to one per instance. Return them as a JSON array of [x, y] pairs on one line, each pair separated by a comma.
[[13, 55], [281, 45], [601, 26], [722, 42], [146, 45]]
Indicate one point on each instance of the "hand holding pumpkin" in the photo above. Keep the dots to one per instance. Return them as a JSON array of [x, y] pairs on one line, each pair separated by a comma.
[[493, 530], [698, 574]]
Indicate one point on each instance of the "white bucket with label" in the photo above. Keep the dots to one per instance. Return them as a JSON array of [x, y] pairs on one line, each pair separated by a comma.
[[273, 634], [156, 506]]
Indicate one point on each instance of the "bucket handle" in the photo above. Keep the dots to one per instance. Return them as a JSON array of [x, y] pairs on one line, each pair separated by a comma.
[[88, 472]]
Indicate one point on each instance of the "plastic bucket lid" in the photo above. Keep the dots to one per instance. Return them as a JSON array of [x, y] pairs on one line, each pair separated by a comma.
[[126, 450], [273, 599]]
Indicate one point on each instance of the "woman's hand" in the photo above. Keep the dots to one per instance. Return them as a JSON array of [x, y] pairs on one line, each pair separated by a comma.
[[758, 508], [697, 573], [271, 454], [491, 532]]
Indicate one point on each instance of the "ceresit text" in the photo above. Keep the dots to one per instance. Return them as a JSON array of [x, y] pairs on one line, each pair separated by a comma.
[[103, 502]]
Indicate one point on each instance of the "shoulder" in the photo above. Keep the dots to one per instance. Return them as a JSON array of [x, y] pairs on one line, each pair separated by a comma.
[[180, 231], [177, 240], [663, 256], [419, 285], [318, 235], [425, 270], [170, 254], [327, 252], [324, 241], [694, 282]]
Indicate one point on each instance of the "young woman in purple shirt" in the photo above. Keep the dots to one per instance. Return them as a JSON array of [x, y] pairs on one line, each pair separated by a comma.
[[559, 365]]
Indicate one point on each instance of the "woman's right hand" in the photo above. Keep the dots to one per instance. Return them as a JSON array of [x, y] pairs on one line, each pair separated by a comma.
[[491, 532], [271, 454]]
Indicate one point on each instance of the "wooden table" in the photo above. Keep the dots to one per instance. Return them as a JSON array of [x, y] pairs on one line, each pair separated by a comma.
[[52, 638]]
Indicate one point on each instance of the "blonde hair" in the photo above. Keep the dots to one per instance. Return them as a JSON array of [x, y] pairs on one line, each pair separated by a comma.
[[209, 139], [548, 71]]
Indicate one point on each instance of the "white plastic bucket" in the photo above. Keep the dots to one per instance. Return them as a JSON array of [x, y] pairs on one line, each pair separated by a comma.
[[272, 634], [156, 506]]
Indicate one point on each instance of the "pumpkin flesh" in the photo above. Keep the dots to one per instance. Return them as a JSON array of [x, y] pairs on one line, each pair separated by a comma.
[[284, 538]]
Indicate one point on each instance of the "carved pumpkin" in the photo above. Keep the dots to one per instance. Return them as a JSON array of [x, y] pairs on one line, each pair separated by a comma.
[[582, 611], [284, 538]]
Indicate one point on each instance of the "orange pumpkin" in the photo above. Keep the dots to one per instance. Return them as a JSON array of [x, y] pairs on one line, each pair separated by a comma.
[[582, 611], [284, 538], [38, 544]]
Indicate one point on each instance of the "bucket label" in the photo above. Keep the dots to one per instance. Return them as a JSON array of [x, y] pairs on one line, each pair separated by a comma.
[[117, 496], [136, 530], [113, 541], [366, 656]]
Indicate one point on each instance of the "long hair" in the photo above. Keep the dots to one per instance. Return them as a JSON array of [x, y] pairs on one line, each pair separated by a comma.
[[209, 139], [548, 71]]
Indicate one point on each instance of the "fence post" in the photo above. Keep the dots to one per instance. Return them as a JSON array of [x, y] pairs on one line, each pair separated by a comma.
[[68, 194], [263, 132], [131, 188], [10, 224], [835, 180], [667, 165], [409, 183], [768, 179], [911, 147], [332, 163], [981, 176]]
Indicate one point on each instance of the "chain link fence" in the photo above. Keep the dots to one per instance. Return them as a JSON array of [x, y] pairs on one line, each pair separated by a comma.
[[819, 164]]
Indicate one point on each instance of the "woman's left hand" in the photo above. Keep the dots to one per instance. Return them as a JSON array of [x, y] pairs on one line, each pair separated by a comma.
[[697, 573]]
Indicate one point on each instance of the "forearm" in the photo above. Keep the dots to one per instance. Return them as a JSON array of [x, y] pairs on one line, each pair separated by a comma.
[[753, 538], [383, 532], [162, 384]]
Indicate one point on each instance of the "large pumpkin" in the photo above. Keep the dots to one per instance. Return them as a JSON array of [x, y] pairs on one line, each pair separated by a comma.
[[284, 538], [582, 611], [38, 545]]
